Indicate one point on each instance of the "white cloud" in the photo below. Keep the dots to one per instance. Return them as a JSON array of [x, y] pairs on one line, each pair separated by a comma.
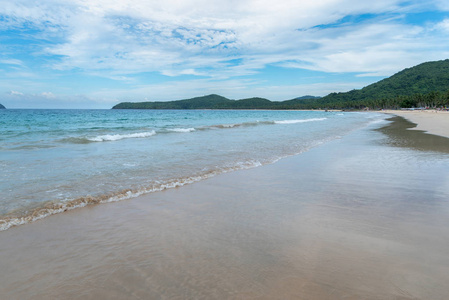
[[117, 39], [179, 36], [442, 4], [444, 26], [48, 95], [12, 61], [16, 93], [15, 99]]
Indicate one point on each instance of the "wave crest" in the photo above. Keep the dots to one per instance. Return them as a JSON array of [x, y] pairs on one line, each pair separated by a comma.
[[300, 121], [181, 130], [116, 137], [52, 208]]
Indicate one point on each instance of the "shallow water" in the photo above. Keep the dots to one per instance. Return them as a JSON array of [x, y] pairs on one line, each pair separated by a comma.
[[355, 218], [55, 160]]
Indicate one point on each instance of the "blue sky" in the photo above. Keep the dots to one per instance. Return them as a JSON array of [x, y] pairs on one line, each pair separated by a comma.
[[96, 53]]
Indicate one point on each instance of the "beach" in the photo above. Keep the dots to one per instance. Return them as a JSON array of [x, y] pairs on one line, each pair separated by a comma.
[[432, 121], [364, 216]]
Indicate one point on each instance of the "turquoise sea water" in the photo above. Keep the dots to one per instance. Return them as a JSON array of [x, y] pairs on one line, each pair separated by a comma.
[[55, 160]]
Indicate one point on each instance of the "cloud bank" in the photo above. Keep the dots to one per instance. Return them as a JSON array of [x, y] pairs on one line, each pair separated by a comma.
[[212, 41]]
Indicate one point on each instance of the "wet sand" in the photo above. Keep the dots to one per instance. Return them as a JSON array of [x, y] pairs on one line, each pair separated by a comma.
[[356, 218], [403, 133], [431, 121]]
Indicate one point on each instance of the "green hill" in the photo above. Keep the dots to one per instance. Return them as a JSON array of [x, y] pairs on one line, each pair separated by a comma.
[[205, 102], [260, 103], [2, 107], [426, 84], [421, 79], [212, 102]]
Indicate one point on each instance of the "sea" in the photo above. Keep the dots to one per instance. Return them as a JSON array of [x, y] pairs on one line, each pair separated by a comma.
[[56, 160]]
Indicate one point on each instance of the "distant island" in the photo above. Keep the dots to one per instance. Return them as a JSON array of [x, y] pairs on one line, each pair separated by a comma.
[[2, 107], [425, 85]]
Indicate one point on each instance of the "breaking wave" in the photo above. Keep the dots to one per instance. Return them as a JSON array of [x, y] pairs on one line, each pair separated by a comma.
[[181, 130], [300, 121], [247, 124], [107, 137], [116, 137], [52, 208]]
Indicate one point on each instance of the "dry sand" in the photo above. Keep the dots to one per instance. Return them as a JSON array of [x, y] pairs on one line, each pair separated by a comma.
[[431, 121]]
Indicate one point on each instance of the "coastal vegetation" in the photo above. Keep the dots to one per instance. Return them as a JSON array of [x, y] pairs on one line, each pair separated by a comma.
[[425, 85]]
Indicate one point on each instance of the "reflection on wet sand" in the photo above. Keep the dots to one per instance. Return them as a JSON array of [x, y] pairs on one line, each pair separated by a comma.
[[401, 136], [353, 219]]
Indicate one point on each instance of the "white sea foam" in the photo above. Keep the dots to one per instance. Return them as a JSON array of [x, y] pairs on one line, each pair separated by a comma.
[[182, 130], [116, 137], [56, 208], [153, 167], [299, 121]]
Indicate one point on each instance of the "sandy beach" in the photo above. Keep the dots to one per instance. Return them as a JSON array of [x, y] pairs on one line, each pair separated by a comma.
[[431, 121], [355, 218]]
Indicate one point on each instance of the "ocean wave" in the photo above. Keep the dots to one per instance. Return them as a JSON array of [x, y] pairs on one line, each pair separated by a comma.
[[300, 121], [116, 137], [245, 124], [28, 147], [181, 130], [107, 137], [227, 125], [52, 208], [256, 123]]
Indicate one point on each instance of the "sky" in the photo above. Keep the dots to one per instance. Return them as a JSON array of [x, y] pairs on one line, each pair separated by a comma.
[[97, 53]]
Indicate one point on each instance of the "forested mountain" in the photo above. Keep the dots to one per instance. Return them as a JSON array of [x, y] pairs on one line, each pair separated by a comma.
[[426, 84], [210, 102], [204, 102], [2, 107]]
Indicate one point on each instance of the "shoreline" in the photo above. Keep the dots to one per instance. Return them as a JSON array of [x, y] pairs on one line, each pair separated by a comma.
[[311, 226], [53, 206], [431, 121]]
